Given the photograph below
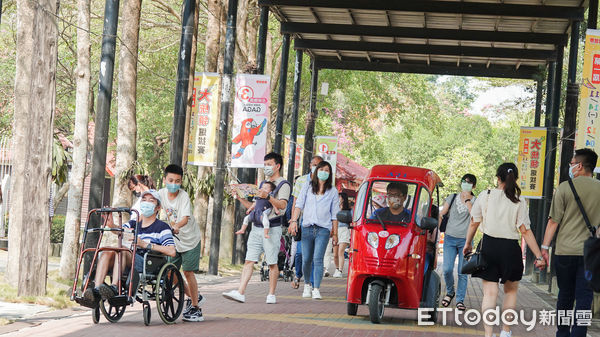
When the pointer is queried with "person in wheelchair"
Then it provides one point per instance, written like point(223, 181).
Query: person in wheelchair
point(153, 235)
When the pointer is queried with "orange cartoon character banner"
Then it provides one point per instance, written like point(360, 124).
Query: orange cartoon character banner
point(250, 120)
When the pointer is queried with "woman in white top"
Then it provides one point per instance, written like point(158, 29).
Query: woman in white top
point(139, 184)
point(504, 218)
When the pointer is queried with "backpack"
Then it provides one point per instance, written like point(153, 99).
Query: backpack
point(282, 218)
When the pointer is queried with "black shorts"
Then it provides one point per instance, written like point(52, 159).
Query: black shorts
point(504, 260)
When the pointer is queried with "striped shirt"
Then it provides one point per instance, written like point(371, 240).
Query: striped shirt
point(158, 233)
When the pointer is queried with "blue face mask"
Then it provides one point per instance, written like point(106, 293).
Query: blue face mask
point(172, 188)
point(322, 175)
point(147, 208)
point(571, 174)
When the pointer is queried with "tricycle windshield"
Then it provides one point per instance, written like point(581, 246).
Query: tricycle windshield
point(390, 202)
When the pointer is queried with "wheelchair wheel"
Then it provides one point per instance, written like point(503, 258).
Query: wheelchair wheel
point(113, 313)
point(146, 313)
point(169, 292)
point(96, 315)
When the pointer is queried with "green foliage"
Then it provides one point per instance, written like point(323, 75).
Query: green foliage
point(57, 230)
point(60, 162)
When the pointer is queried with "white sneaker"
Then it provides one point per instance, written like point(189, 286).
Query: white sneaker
point(235, 295)
point(316, 294)
point(337, 274)
point(505, 334)
point(306, 292)
point(271, 299)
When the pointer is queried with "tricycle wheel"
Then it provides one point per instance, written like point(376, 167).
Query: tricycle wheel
point(436, 305)
point(96, 315)
point(146, 313)
point(351, 308)
point(376, 303)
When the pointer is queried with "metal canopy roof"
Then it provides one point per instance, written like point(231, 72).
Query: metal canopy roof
point(495, 38)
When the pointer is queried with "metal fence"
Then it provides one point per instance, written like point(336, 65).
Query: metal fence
point(5, 173)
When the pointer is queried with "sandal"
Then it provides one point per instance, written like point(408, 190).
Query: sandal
point(296, 283)
point(447, 300)
point(461, 306)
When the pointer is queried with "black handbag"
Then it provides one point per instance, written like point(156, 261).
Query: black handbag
point(446, 216)
point(474, 262)
point(591, 248)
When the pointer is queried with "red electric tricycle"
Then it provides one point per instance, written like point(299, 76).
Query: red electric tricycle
point(392, 263)
point(159, 281)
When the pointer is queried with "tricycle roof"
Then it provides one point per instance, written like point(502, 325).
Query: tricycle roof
point(405, 173)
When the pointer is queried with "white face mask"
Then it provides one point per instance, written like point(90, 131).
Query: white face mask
point(313, 169)
point(269, 171)
point(467, 187)
point(394, 202)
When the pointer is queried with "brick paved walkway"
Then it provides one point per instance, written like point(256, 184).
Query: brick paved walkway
point(291, 316)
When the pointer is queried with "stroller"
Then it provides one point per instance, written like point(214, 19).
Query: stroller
point(284, 261)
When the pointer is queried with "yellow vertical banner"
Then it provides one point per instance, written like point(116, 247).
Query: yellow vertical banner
point(532, 156)
point(588, 129)
point(204, 119)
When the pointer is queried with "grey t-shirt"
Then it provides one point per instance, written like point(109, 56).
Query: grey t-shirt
point(458, 217)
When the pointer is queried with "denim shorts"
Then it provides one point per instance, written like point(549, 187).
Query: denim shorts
point(257, 244)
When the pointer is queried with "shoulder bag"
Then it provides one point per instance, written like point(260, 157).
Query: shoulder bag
point(591, 248)
point(475, 262)
point(446, 216)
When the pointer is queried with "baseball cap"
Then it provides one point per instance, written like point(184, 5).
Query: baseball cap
point(153, 193)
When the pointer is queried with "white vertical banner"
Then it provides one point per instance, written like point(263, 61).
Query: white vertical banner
point(250, 119)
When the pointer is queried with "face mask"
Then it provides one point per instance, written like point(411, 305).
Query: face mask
point(172, 188)
point(269, 171)
point(147, 208)
point(571, 173)
point(313, 169)
point(394, 202)
point(137, 194)
point(322, 175)
point(467, 187)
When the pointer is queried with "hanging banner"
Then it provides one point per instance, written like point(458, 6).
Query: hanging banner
point(589, 97)
point(204, 119)
point(299, 154)
point(326, 147)
point(532, 156)
point(250, 118)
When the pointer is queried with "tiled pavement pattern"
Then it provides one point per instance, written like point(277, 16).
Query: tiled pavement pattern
point(291, 316)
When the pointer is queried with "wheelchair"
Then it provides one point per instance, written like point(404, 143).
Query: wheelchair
point(159, 281)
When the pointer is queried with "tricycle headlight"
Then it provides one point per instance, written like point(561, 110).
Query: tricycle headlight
point(373, 239)
point(392, 241)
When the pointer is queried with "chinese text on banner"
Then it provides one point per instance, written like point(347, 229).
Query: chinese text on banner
point(204, 119)
point(587, 130)
point(532, 154)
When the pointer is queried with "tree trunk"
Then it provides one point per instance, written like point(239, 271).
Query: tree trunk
point(35, 99)
point(70, 247)
point(213, 35)
point(192, 76)
point(226, 246)
point(126, 116)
